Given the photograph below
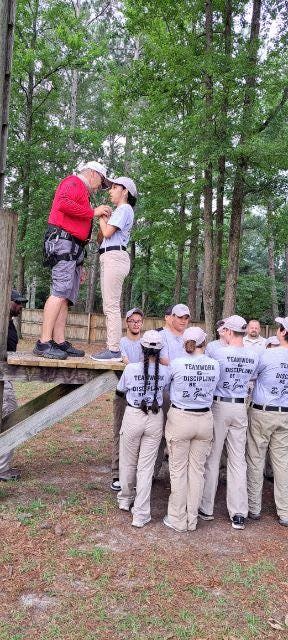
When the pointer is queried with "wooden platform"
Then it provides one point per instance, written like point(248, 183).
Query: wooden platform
point(27, 366)
point(79, 381)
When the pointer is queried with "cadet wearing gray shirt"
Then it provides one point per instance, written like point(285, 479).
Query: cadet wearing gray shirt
point(131, 349)
point(122, 218)
point(271, 386)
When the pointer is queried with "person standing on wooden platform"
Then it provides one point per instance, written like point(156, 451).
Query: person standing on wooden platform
point(131, 351)
point(69, 230)
point(7, 472)
point(115, 261)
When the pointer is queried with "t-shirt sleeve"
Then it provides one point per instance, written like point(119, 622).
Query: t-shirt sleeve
point(164, 352)
point(119, 217)
point(123, 348)
point(122, 384)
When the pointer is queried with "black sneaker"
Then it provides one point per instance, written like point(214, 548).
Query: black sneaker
point(205, 516)
point(69, 349)
point(12, 474)
point(115, 485)
point(238, 521)
point(49, 350)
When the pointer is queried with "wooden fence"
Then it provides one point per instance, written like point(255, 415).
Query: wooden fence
point(90, 327)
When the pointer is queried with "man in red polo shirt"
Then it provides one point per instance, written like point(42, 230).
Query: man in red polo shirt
point(69, 229)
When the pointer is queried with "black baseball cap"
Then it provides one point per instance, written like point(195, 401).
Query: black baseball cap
point(17, 297)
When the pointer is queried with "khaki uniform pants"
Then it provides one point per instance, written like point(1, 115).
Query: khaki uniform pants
point(189, 437)
point(9, 405)
point(114, 267)
point(268, 431)
point(119, 406)
point(140, 437)
point(230, 426)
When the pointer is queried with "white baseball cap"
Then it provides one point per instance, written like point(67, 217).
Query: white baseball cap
point(235, 323)
point(196, 334)
point(134, 310)
point(273, 340)
point(152, 339)
point(100, 168)
point(180, 310)
point(128, 183)
point(283, 321)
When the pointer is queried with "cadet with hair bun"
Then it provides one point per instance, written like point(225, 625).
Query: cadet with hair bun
point(142, 427)
point(189, 429)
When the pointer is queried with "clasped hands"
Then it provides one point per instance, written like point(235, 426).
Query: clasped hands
point(102, 210)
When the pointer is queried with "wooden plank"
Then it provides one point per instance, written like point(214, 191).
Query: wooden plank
point(36, 404)
point(31, 360)
point(56, 411)
point(48, 374)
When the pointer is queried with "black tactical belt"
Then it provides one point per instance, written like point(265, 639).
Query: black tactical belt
point(104, 249)
point(204, 410)
point(237, 400)
point(265, 407)
point(148, 408)
point(65, 235)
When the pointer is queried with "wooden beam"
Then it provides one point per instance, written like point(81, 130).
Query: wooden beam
point(56, 411)
point(48, 374)
point(42, 401)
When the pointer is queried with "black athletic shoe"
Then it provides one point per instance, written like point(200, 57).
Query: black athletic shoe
point(238, 521)
point(49, 350)
point(115, 485)
point(69, 349)
point(205, 516)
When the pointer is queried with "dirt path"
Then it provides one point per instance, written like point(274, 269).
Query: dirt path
point(72, 566)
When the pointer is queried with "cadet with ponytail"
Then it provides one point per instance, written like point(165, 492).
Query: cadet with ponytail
point(142, 426)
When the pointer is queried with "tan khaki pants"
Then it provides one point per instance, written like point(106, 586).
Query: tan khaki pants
point(268, 431)
point(140, 437)
point(189, 437)
point(119, 406)
point(9, 405)
point(230, 425)
point(114, 267)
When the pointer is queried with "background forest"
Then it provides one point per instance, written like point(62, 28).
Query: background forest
point(190, 99)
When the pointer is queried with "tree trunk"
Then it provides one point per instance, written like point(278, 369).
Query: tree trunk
point(238, 194)
point(218, 243)
point(199, 294)
point(194, 252)
point(271, 271)
point(208, 299)
point(181, 249)
point(286, 281)
point(7, 23)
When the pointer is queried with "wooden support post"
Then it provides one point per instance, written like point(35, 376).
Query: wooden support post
point(56, 411)
point(7, 22)
point(8, 233)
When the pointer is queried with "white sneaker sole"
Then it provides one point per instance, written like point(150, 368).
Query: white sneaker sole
point(238, 526)
point(170, 526)
point(106, 359)
point(139, 525)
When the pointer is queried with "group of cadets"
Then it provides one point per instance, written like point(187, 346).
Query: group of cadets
point(232, 392)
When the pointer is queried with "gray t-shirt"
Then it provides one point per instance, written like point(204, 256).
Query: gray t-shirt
point(122, 218)
point(173, 345)
point(132, 383)
point(131, 349)
point(212, 347)
point(237, 366)
point(193, 381)
point(271, 386)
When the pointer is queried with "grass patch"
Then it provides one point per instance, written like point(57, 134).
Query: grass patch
point(97, 554)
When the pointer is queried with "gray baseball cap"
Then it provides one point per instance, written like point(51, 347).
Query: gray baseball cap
point(283, 321)
point(17, 297)
point(273, 340)
point(128, 183)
